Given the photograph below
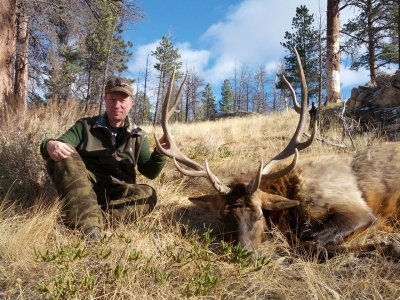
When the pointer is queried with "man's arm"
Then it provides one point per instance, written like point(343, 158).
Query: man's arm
point(150, 163)
point(57, 149)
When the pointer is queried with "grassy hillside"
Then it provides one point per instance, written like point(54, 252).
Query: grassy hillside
point(175, 252)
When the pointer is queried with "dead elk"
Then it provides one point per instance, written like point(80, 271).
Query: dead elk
point(317, 205)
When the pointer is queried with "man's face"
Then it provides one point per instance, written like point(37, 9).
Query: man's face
point(118, 105)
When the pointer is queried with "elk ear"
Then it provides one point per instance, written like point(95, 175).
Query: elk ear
point(275, 202)
point(208, 202)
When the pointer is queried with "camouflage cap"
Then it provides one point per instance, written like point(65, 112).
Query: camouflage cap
point(118, 84)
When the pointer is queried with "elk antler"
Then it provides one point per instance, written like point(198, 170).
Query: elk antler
point(296, 104)
point(174, 152)
point(294, 145)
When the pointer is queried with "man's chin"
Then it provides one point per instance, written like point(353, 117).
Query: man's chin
point(115, 119)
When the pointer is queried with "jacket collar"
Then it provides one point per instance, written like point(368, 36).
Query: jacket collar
point(102, 122)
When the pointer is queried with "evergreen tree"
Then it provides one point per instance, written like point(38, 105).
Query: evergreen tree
point(374, 28)
point(60, 35)
point(260, 94)
point(208, 101)
point(304, 40)
point(192, 95)
point(141, 110)
point(168, 59)
point(391, 48)
point(86, 62)
point(106, 54)
point(226, 102)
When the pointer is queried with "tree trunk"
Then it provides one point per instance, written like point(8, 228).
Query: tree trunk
point(88, 100)
point(105, 73)
point(188, 91)
point(398, 29)
point(333, 93)
point(146, 74)
point(159, 95)
point(7, 49)
point(21, 61)
point(371, 44)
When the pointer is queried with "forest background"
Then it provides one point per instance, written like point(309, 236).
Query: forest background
point(66, 50)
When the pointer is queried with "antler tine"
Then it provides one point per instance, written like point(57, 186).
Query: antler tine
point(296, 104)
point(166, 114)
point(295, 140)
point(255, 183)
point(174, 152)
point(216, 183)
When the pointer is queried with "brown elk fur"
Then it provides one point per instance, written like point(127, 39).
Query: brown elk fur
point(318, 205)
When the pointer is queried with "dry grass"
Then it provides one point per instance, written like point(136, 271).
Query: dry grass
point(161, 256)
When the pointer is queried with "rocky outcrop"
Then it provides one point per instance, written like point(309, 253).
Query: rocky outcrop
point(380, 102)
point(386, 93)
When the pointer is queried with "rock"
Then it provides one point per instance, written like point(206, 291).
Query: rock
point(354, 93)
point(353, 104)
point(393, 127)
point(387, 97)
point(395, 80)
point(383, 80)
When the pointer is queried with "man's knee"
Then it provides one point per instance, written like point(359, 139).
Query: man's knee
point(72, 166)
point(151, 196)
point(140, 201)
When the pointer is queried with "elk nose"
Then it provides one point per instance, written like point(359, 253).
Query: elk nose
point(248, 244)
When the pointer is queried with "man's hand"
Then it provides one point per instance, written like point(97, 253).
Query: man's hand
point(58, 150)
point(164, 143)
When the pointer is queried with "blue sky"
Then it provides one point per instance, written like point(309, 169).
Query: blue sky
point(214, 35)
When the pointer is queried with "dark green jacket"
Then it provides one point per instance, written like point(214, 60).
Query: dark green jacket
point(108, 158)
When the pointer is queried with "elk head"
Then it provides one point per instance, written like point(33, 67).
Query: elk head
point(240, 206)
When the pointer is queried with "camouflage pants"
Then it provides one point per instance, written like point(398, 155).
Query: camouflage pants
point(87, 198)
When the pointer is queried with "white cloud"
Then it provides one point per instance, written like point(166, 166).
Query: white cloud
point(250, 33)
point(197, 59)
point(140, 58)
point(352, 78)
point(193, 59)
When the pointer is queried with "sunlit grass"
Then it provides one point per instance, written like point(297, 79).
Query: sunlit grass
point(175, 252)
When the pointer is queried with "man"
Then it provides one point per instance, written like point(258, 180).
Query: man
point(314, 116)
point(93, 165)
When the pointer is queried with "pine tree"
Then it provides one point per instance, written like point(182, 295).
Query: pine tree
point(208, 101)
point(84, 60)
point(373, 28)
point(106, 54)
point(226, 102)
point(168, 59)
point(191, 95)
point(61, 33)
point(304, 40)
point(260, 94)
point(141, 110)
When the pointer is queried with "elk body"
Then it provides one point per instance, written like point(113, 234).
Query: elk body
point(317, 203)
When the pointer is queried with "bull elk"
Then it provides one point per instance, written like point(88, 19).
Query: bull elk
point(317, 205)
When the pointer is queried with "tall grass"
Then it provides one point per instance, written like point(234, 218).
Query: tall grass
point(175, 252)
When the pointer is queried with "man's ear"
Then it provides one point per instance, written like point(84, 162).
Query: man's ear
point(275, 202)
point(208, 202)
